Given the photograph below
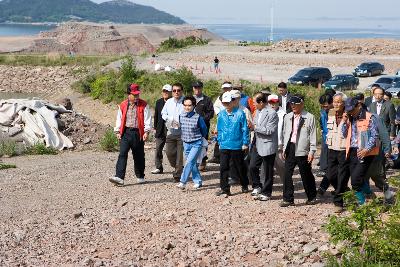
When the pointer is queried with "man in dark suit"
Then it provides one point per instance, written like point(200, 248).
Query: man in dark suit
point(385, 110)
point(284, 97)
point(161, 130)
point(371, 99)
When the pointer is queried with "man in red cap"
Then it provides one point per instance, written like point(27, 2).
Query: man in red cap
point(132, 127)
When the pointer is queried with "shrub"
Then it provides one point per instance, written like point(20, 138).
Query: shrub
point(7, 166)
point(41, 149)
point(172, 43)
point(8, 148)
point(109, 142)
point(370, 234)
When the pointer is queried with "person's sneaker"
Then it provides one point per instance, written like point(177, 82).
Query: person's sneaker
point(181, 186)
point(262, 197)
point(311, 202)
point(256, 191)
point(245, 189)
point(140, 180)
point(197, 186)
point(222, 193)
point(157, 171)
point(285, 203)
point(388, 194)
point(116, 180)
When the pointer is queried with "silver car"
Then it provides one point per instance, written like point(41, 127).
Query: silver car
point(395, 89)
point(386, 82)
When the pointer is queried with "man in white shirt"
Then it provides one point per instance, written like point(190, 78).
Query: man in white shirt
point(284, 97)
point(173, 144)
point(273, 102)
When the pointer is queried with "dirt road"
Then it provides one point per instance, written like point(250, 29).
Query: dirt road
point(61, 210)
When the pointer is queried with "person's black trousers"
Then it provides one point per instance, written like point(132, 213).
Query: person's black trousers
point(160, 143)
point(267, 163)
point(131, 140)
point(323, 166)
point(338, 173)
point(306, 174)
point(358, 169)
point(231, 162)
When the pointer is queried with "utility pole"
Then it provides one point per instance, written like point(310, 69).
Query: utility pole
point(271, 34)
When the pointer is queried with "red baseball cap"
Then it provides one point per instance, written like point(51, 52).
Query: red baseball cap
point(135, 89)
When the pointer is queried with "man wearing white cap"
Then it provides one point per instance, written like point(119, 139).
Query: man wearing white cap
point(273, 102)
point(233, 139)
point(218, 106)
point(161, 130)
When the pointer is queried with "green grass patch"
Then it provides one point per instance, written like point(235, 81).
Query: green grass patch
point(109, 142)
point(41, 149)
point(50, 60)
point(4, 166)
point(8, 148)
point(172, 44)
point(369, 234)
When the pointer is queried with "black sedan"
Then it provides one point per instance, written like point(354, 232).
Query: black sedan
point(369, 69)
point(342, 82)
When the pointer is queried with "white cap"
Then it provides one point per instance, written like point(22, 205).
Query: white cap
point(226, 97)
point(235, 94)
point(226, 85)
point(167, 87)
point(273, 98)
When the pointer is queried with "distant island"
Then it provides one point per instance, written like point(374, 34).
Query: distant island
point(116, 11)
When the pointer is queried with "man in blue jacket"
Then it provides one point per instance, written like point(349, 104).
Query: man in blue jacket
point(233, 139)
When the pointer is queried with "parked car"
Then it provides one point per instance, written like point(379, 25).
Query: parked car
point(311, 76)
point(395, 89)
point(242, 43)
point(342, 82)
point(386, 81)
point(369, 69)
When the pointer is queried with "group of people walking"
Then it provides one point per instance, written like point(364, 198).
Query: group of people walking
point(259, 136)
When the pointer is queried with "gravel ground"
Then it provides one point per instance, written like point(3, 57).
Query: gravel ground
point(62, 210)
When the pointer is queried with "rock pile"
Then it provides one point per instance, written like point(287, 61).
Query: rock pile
point(82, 131)
point(333, 46)
point(36, 80)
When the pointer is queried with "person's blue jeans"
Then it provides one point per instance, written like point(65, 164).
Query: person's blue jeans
point(192, 151)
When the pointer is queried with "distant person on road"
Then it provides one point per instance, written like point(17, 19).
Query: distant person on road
point(284, 97)
point(170, 113)
point(216, 64)
point(204, 107)
point(132, 127)
point(194, 130)
point(161, 130)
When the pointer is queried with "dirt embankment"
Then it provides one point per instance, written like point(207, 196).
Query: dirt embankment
point(332, 46)
point(102, 39)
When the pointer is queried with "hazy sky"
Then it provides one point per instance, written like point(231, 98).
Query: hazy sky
point(287, 13)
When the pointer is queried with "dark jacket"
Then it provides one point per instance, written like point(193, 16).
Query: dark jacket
point(288, 108)
point(387, 114)
point(159, 123)
point(205, 109)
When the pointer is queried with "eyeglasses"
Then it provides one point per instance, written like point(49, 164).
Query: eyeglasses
point(177, 91)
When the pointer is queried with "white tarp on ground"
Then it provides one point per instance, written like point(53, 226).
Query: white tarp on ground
point(36, 119)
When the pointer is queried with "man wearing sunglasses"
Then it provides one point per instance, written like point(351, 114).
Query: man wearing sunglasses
point(299, 147)
point(173, 144)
